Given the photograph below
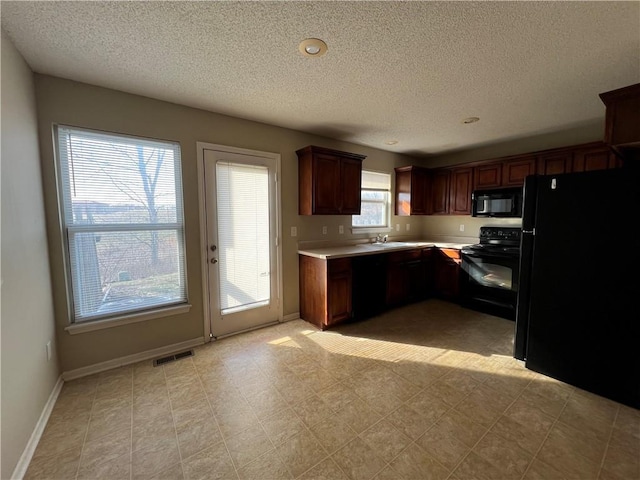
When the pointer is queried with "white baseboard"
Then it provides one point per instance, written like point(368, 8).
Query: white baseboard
point(129, 359)
point(291, 316)
point(29, 450)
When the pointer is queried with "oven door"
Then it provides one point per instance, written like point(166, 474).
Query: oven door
point(490, 282)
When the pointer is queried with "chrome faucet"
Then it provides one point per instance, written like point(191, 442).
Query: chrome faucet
point(381, 238)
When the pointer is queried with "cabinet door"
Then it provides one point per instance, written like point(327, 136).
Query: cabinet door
point(405, 277)
point(396, 283)
point(487, 176)
point(439, 195)
point(327, 195)
point(415, 280)
point(411, 191)
point(428, 268)
point(418, 192)
point(515, 171)
point(555, 163)
point(597, 158)
point(447, 279)
point(338, 291)
point(403, 192)
point(351, 186)
point(622, 120)
point(461, 188)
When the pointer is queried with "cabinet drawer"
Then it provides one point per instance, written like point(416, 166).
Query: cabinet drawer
point(451, 254)
point(405, 256)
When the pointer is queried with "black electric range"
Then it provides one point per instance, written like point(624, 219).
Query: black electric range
point(490, 271)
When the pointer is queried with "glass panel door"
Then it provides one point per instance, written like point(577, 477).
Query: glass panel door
point(241, 234)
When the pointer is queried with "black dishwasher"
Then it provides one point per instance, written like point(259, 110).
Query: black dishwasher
point(369, 274)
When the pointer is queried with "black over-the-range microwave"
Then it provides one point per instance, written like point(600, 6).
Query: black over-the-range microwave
point(503, 202)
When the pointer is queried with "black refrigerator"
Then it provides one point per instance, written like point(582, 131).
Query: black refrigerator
point(578, 308)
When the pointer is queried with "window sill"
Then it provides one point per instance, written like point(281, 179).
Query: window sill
point(370, 229)
point(77, 328)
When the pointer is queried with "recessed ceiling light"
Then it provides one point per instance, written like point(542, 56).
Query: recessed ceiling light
point(391, 142)
point(471, 120)
point(312, 47)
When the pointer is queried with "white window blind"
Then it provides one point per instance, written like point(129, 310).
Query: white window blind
point(122, 212)
point(243, 235)
point(375, 195)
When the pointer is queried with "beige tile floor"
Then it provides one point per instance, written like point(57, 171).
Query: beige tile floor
point(428, 391)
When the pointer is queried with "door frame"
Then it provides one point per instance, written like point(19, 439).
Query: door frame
point(202, 211)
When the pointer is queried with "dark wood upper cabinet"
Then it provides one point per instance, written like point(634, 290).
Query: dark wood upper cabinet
point(329, 181)
point(411, 190)
point(461, 187)
point(579, 158)
point(598, 156)
point(438, 195)
point(447, 190)
point(555, 163)
point(351, 182)
point(516, 169)
point(487, 176)
point(622, 120)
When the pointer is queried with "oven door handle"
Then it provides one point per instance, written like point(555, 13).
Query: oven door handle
point(472, 254)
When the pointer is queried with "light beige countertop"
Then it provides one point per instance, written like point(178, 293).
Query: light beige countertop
point(373, 248)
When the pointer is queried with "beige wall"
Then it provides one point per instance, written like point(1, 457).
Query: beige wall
point(443, 227)
point(67, 102)
point(28, 378)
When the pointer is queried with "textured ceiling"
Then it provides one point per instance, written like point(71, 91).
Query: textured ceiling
point(405, 71)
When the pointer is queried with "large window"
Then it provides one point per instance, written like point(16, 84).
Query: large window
point(375, 195)
point(121, 201)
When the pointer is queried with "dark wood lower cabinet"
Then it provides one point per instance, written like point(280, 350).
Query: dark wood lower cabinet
point(325, 290)
point(405, 277)
point(339, 290)
point(447, 273)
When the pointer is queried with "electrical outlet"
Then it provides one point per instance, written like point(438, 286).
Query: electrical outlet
point(408, 227)
point(48, 350)
point(324, 230)
point(294, 231)
point(341, 229)
point(397, 227)
point(461, 227)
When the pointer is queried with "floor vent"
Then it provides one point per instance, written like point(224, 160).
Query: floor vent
point(172, 358)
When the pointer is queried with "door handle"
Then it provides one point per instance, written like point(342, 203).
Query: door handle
point(214, 260)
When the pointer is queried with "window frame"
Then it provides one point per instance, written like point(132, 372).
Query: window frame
point(68, 229)
point(387, 206)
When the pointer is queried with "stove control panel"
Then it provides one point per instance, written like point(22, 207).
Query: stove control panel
point(500, 235)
